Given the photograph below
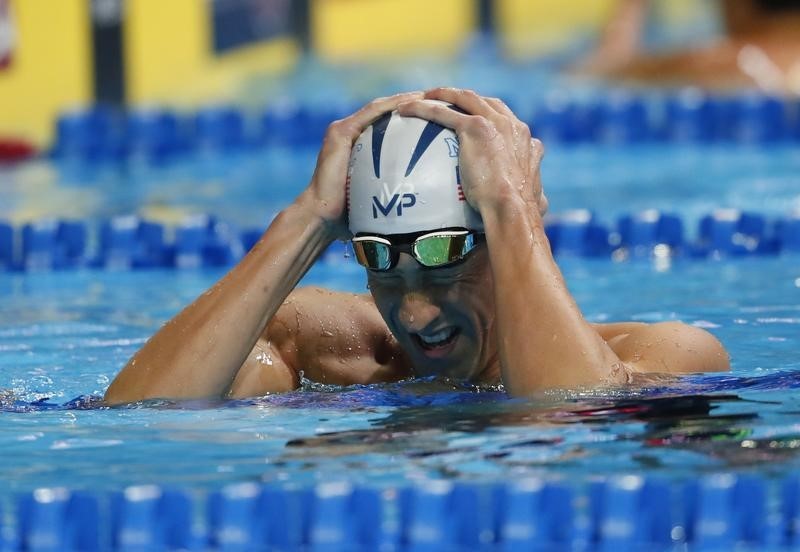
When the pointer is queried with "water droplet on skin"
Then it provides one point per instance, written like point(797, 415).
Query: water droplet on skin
point(264, 358)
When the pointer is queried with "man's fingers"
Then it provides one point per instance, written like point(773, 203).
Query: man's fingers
point(378, 107)
point(537, 148)
point(467, 100)
point(544, 204)
point(474, 104)
point(362, 118)
point(345, 131)
point(537, 154)
point(500, 106)
point(437, 113)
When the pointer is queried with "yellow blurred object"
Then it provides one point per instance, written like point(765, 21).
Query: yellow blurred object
point(165, 44)
point(345, 30)
point(533, 27)
point(682, 12)
point(169, 58)
point(51, 68)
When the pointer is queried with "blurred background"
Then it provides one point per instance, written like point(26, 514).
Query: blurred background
point(71, 54)
point(161, 134)
point(165, 110)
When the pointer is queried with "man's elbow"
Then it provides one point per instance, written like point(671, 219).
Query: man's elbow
point(708, 351)
point(116, 395)
point(673, 347)
point(124, 389)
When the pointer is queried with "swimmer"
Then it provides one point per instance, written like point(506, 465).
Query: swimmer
point(463, 285)
point(760, 48)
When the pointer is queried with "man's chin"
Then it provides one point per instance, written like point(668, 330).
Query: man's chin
point(454, 365)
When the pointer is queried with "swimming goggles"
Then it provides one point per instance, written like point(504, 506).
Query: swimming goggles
point(430, 249)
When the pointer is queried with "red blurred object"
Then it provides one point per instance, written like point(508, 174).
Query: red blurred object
point(12, 150)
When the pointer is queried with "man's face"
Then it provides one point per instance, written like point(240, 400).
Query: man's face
point(443, 317)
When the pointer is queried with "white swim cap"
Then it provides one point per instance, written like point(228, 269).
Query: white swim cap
point(404, 177)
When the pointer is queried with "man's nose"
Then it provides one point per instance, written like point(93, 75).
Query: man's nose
point(417, 311)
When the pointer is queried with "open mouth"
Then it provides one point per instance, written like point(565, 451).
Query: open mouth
point(438, 341)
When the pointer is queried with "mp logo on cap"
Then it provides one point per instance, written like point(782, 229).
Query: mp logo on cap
point(396, 201)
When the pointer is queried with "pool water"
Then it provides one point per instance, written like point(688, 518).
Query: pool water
point(249, 187)
point(63, 337)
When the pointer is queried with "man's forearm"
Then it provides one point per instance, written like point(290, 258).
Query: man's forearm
point(198, 353)
point(544, 340)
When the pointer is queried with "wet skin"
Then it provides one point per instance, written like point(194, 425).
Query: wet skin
point(504, 314)
point(442, 318)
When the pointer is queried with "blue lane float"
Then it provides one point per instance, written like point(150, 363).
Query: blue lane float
point(626, 512)
point(6, 246)
point(692, 117)
point(157, 135)
point(685, 116)
point(149, 518)
point(732, 232)
point(203, 241)
point(220, 128)
point(128, 242)
point(640, 233)
point(577, 233)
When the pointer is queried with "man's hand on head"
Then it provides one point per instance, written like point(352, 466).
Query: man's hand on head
point(325, 196)
point(498, 157)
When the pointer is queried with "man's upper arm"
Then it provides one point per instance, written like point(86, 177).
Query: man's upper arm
point(269, 368)
point(263, 372)
point(670, 347)
point(330, 337)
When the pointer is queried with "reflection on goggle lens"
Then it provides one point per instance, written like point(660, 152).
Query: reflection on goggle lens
point(373, 254)
point(431, 250)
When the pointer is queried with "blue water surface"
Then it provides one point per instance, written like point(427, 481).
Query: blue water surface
point(250, 187)
point(63, 336)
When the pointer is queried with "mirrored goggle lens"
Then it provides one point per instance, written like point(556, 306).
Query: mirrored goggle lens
point(438, 250)
point(373, 254)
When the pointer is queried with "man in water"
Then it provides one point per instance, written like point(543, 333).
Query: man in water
point(444, 204)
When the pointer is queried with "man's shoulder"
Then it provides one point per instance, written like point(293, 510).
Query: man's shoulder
point(315, 306)
point(311, 296)
point(337, 337)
